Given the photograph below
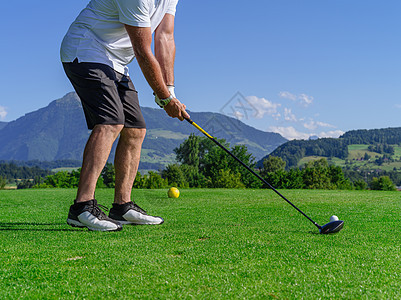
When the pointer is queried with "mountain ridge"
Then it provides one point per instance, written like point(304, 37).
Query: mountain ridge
point(58, 131)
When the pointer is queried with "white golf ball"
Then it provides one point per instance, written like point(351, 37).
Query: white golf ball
point(333, 218)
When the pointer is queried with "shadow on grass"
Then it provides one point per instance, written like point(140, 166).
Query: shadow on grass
point(33, 226)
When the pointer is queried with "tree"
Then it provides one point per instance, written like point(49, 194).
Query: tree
point(202, 161)
point(109, 175)
point(316, 175)
point(140, 181)
point(360, 185)
point(272, 164)
point(247, 178)
point(338, 179)
point(63, 179)
point(3, 182)
point(192, 175)
point(227, 179)
point(175, 176)
point(155, 181)
point(188, 152)
point(217, 159)
point(294, 179)
point(151, 181)
point(12, 171)
point(25, 184)
point(383, 183)
point(277, 179)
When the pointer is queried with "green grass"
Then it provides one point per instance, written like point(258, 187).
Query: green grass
point(151, 156)
point(397, 151)
point(215, 244)
point(156, 133)
point(303, 161)
point(358, 147)
point(334, 160)
point(9, 186)
point(358, 154)
point(337, 161)
point(390, 166)
point(63, 169)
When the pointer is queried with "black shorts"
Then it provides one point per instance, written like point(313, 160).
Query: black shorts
point(108, 97)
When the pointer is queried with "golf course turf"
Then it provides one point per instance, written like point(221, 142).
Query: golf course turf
point(214, 244)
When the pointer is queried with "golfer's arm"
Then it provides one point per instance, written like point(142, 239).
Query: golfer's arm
point(141, 39)
point(165, 48)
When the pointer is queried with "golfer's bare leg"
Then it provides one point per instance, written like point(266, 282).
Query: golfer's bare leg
point(128, 154)
point(96, 153)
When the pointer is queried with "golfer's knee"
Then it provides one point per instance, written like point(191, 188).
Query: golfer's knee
point(108, 130)
point(134, 134)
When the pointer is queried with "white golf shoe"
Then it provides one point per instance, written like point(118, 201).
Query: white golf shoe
point(88, 214)
point(130, 213)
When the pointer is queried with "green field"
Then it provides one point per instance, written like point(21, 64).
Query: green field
point(215, 244)
point(303, 161)
point(355, 157)
point(65, 169)
point(152, 156)
point(156, 133)
point(356, 152)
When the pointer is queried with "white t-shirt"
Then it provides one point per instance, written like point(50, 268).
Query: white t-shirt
point(98, 34)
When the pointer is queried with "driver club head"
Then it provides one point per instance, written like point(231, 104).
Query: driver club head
point(332, 227)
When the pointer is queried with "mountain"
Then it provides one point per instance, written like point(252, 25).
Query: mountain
point(52, 132)
point(367, 148)
point(59, 132)
point(2, 125)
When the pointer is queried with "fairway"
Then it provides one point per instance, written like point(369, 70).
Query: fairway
point(214, 244)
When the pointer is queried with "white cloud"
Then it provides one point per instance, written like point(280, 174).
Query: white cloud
point(263, 107)
point(285, 122)
point(305, 99)
point(290, 133)
point(331, 134)
point(3, 112)
point(276, 116)
point(287, 95)
point(322, 124)
point(289, 116)
point(398, 106)
point(312, 125)
point(238, 115)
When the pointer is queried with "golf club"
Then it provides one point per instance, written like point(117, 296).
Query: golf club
point(331, 227)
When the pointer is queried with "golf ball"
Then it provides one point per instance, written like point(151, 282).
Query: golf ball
point(173, 192)
point(333, 218)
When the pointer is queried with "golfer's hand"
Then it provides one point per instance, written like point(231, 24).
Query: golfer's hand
point(176, 109)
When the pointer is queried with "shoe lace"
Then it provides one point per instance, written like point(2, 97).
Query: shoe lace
point(137, 208)
point(97, 209)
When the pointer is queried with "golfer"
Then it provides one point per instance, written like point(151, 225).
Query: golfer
point(95, 52)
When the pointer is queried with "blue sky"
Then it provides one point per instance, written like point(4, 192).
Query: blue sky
point(299, 68)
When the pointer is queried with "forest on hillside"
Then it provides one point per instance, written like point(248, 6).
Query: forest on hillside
point(202, 164)
point(389, 136)
point(380, 141)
